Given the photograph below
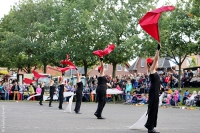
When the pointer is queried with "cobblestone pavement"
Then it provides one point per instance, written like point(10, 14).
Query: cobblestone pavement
point(30, 117)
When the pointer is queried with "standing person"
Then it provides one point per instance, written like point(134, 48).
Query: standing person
point(15, 89)
point(152, 111)
point(51, 91)
point(41, 93)
point(31, 91)
point(7, 89)
point(101, 91)
point(61, 91)
point(79, 92)
point(2, 91)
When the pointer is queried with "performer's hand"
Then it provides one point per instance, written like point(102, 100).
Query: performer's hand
point(101, 58)
point(159, 46)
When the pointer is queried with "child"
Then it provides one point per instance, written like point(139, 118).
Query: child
point(128, 98)
point(168, 99)
point(134, 99)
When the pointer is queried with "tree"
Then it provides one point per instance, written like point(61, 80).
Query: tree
point(178, 34)
point(37, 30)
point(77, 31)
point(118, 24)
point(48, 19)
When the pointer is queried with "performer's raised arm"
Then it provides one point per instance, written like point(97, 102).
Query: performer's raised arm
point(101, 67)
point(155, 62)
point(78, 76)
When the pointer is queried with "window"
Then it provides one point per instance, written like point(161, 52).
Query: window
point(142, 62)
point(125, 69)
point(106, 66)
point(119, 68)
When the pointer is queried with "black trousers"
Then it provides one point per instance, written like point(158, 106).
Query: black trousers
point(41, 99)
point(101, 98)
point(60, 102)
point(51, 98)
point(79, 96)
point(152, 118)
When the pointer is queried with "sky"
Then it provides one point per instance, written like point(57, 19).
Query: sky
point(5, 6)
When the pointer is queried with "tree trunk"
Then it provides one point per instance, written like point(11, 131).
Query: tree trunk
point(29, 68)
point(85, 67)
point(179, 75)
point(45, 67)
point(114, 70)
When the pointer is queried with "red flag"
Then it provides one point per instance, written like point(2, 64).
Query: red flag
point(66, 68)
point(67, 61)
point(28, 81)
point(149, 22)
point(104, 52)
point(37, 75)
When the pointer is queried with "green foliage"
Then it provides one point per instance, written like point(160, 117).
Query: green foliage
point(192, 62)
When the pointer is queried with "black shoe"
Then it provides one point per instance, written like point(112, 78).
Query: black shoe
point(101, 117)
point(146, 126)
point(50, 106)
point(153, 131)
point(41, 104)
point(96, 115)
point(78, 113)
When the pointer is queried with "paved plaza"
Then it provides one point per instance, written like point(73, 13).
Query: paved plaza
point(30, 117)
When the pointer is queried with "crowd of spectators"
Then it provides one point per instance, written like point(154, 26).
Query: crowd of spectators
point(134, 87)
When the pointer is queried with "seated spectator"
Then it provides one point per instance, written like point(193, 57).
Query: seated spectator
point(86, 92)
point(183, 81)
point(128, 98)
point(118, 87)
point(197, 99)
point(187, 98)
point(186, 93)
point(108, 97)
point(190, 100)
point(168, 89)
point(174, 82)
point(142, 99)
point(134, 98)
point(26, 94)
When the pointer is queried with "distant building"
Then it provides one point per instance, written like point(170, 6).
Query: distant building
point(140, 66)
point(120, 70)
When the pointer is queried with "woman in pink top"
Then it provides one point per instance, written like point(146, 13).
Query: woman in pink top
point(118, 87)
point(38, 90)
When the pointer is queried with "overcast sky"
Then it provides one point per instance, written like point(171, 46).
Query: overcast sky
point(6, 4)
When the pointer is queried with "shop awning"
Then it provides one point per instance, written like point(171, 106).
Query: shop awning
point(3, 71)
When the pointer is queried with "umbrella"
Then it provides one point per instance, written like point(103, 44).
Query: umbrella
point(37, 75)
point(28, 81)
point(149, 22)
point(106, 51)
